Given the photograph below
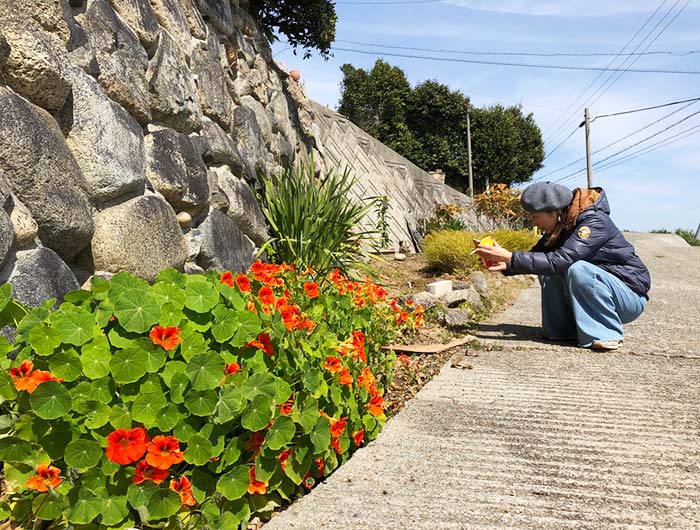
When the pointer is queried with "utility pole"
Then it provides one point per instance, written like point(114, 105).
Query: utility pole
point(469, 154)
point(588, 148)
point(697, 232)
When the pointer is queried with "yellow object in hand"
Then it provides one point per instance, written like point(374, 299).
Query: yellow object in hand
point(488, 240)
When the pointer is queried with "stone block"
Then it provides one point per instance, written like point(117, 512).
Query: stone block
point(249, 139)
point(456, 317)
point(44, 175)
point(23, 223)
point(205, 63)
point(224, 246)
point(172, 16)
point(469, 296)
point(7, 236)
point(425, 299)
point(219, 13)
point(243, 208)
point(138, 14)
point(198, 28)
point(478, 280)
point(439, 288)
point(141, 236)
point(221, 149)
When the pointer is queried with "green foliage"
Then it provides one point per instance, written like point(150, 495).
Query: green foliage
point(446, 217)
point(689, 237)
point(305, 23)
point(502, 205)
point(428, 125)
point(244, 385)
point(449, 250)
point(314, 221)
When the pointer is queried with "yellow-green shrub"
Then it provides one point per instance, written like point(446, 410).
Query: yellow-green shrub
point(449, 250)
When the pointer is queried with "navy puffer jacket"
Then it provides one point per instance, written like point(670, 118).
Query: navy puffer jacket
point(604, 246)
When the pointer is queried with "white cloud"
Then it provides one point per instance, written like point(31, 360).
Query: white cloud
point(570, 8)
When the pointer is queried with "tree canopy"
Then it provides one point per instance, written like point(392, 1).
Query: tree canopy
point(428, 125)
point(309, 24)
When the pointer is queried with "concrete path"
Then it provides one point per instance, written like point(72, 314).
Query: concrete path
point(543, 437)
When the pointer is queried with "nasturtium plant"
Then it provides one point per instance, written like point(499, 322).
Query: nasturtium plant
point(195, 402)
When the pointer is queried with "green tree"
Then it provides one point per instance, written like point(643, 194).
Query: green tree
point(309, 24)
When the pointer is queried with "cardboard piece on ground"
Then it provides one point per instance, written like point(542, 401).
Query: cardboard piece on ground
point(429, 348)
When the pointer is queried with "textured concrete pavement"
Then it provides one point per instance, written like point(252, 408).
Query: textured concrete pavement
point(542, 437)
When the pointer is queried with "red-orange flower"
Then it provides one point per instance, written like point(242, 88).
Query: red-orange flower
point(168, 337)
point(286, 407)
point(311, 289)
point(22, 375)
point(255, 442)
point(243, 282)
point(263, 343)
point(227, 278)
point(125, 447)
point(256, 486)
point(251, 307)
point(367, 378)
point(335, 444)
point(358, 345)
point(266, 295)
point(333, 364)
point(144, 471)
point(46, 477)
point(337, 427)
point(230, 369)
point(164, 451)
point(283, 456)
point(183, 488)
point(375, 405)
point(345, 377)
point(358, 436)
point(321, 466)
point(401, 317)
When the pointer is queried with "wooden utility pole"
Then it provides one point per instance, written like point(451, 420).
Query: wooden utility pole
point(469, 154)
point(588, 148)
point(697, 232)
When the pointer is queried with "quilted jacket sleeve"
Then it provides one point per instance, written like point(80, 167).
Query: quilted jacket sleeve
point(575, 248)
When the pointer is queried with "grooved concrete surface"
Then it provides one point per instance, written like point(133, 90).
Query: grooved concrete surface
point(541, 438)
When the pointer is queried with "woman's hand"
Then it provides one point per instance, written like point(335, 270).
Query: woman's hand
point(495, 258)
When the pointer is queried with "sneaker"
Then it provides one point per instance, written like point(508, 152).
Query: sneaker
point(606, 345)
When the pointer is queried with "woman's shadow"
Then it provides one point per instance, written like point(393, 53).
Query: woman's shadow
point(516, 332)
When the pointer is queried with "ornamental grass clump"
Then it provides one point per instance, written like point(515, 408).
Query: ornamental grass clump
point(196, 402)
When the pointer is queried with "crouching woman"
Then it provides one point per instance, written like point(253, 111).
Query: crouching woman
point(592, 280)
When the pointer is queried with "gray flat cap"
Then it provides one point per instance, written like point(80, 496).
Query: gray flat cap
point(545, 197)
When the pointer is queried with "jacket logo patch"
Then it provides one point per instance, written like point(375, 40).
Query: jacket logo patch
point(584, 232)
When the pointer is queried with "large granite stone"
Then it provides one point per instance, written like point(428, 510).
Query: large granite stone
point(140, 236)
point(138, 14)
point(44, 174)
point(172, 16)
point(261, 117)
point(78, 46)
point(37, 275)
point(461, 296)
point(106, 141)
point(278, 112)
point(211, 85)
point(219, 13)
point(37, 66)
point(24, 225)
point(243, 208)
point(198, 28)
point(220, 148)
point(172, 91)
point(7, 236)
point(176, 170)
point(248, 137)
point(46, 12)
point(223, 245)
point(121, 58)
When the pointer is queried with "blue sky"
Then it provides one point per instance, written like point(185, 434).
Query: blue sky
point(658, 190)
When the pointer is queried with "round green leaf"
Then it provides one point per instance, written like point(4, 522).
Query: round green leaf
point(170, 316)
point(192, 342)
point(98, 415)
point(171, 277)
point(48, 506)
point(201, 403)
point(74, 326)
point(230, 404)
point(263, 384)
point(308, 415)
point(5, 294)
point(205, 371)
point(95, 357)
point(14, 450)
point(7, 387)
point(129, 365)
point(114, 510)
point(120, 418)
point(200, 294)
point(44, 339)
point(83, 454)
point(163, 504)
point(225, 323)
point(66, 365)
point(178, 385)
point(137, 312)
point(281, 432)
point(166, 293)
point(282, 391)
point(155, 358)
point(171, 368)
point(234, 484)
point(124, 283)
point(103, 390)
point(138, 495)
point(258, 414)
point(321, 435)
point(169, 417)
point(199, 451)
point(249, 327)
point(50, 400)
point(146, 407)
point(84, 506)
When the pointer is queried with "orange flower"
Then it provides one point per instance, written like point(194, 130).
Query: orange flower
point(404, 359)
point(366, 378)
point(22, 375)
point(183, 488)
point(263, 343)
point(255, 442)
point(335, 444)
point(358, 436)
point(283, 456)
point(256, 486)
point(337, 427)
point(227, 278)
point(230, 369)
point(401, 317)
point(266, 295)
point(147, 472)
point(375, 405)
point(243, 282)
point(168, 338)
point(320, 465)
point(125, 447)
point(251, 307)
point(164, 451)
point(286, 407)
point(46, 477)
point(345, 377)
point(311, 289)
point(358, 345)
point(333, 364)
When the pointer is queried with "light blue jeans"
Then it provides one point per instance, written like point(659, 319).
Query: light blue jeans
point(588, 303)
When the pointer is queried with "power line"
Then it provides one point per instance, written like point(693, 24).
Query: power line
point(523, 65)
point(645, 108)
point(561, 143)
point(524, 54)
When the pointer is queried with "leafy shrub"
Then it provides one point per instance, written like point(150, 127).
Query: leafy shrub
point(689, 237)
point(447, 217)
point(449, 250)
point(502, 204)
point(196, 402)
point(313, 220)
